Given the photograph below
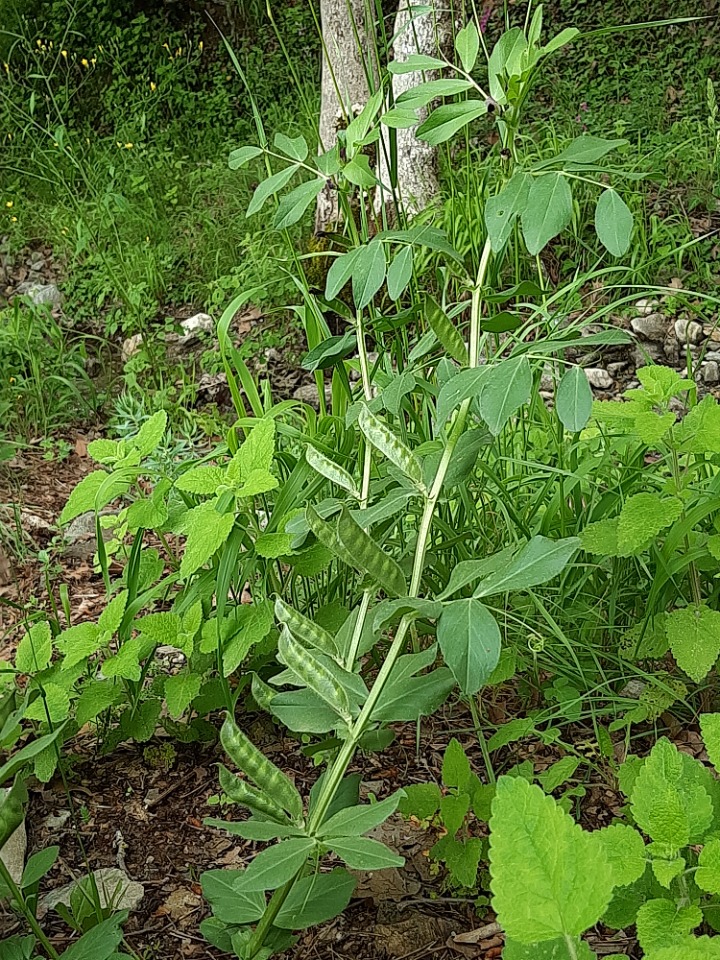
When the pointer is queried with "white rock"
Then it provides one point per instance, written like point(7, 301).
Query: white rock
point(115, 890)
point(654, 326)
point(598, 378)
point(615, 368)
point(131, 346)
point(646, 307)
point(200, 323)
point(40, 293)
point(710, 371)
point(688, 331)
point(14, 850)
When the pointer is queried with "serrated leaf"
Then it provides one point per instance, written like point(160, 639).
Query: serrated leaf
point(453, 810)
point(95, 698)
point(547, 212)
point(539, 560)
point(548, 950)
point(467, 45)
point(642, 518)
point(661, 922)
point(574, 400)
point(54, 701)
point(112, 616)
point(694, 637)
point(203, 480)
point(456, 766)
point(35, 649)
point(127, 661)
point(707, 876)
point(368, 273)
point(625, 852)
point(103, 450)
point(503, 209)
point(613, 222)
point(400, 272)
point(422, 800)
point(256, 451)
point(507, 386)
point(665, 871)
point(601, 538)
point(268, 187)
point(206, 531)
point(93, 493)
point(469, 638)
point(180, 691)
point(273, 545)
point(710, 729)
point(368, 557)
point(444, 330)
point(549, 877)
point(150, 434)
point(362, 853)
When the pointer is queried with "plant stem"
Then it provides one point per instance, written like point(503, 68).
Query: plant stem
point(17, 896)
point(344, 758)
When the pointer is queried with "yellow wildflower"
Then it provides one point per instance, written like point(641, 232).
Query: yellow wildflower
point(166, 47)
point(129, 146)
point(200, 46)
point(93, 61)
point(178, 52)
point(12, 379)
point(39, 42)
point(13, 219)
point(9, 204)
point(84, 62)
point(7, 67)
point(64, 53)
point(153, 86)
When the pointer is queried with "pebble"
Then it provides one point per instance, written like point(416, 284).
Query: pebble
point(646, 307)
point(710, 371)
point(40, 293)
point(688, 331)
point(654, 326)
point(598, 378)
point(308, 393)
point(115, 889)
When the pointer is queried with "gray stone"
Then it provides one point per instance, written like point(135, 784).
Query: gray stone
point(115, 889)
point(710, 371)
point(648, 353)
point(712, 330)
point(14, 849)
point(646, 307)
point(40, 293)
point(653, 327)
point(308, 393)
point(598, 378)
point(688, 331)
point(614, 369)
point(80, 540)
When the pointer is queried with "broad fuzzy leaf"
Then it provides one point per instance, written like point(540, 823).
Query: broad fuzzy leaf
point(625, 851)
point(150, 433)
point(707, 876)
point(35, 649)
point(694, 637)
point(93, 492)
point(662, 922)
point(206, 531)
point(642, 518)
point(180, 691)
point(549, 877)
point(710, 729)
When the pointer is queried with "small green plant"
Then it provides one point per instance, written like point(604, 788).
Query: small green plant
point(552, 881)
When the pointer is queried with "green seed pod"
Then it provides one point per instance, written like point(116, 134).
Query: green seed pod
point(255, 765)
point(331, 471)
point(304, 630)
point(243, 793)
point(313, 674)
point(384, 440)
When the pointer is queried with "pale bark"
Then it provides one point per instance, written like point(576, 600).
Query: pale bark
point(345, 88)
point(417, 162)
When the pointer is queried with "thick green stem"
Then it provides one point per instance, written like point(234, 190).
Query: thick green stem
point(16, 895)
point(346, 753)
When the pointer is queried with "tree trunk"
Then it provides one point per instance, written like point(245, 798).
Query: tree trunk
point(348, 59)
point(417, 162)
